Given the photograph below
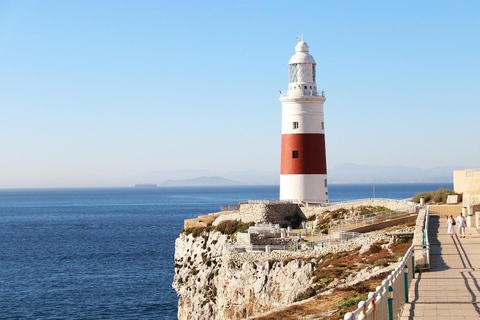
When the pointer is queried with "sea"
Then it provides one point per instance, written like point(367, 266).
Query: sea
point(107, 253)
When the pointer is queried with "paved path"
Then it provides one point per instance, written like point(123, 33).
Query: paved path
point(451, 289)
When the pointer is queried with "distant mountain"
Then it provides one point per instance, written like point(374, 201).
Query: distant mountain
point(358, 173)
point(247, 177)
point(201, 181)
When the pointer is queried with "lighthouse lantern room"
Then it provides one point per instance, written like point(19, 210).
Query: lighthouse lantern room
point(303, 160)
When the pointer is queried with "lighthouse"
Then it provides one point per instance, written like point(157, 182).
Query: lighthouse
point(303, 173)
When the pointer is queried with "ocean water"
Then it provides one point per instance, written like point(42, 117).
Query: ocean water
point(108, 253)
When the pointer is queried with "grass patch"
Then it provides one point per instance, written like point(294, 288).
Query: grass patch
point(230, 227)
point(349, 304)
point(310, 292)
point(196, 231)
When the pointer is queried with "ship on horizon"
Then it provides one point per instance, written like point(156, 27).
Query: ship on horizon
point(146, 185)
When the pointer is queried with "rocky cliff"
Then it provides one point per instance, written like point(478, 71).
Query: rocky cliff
point(214, 284)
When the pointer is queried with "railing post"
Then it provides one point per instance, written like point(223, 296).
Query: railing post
point(348, 316)
point(405, 283)
point(363, 305)
point(390, 302)
point(413, 264)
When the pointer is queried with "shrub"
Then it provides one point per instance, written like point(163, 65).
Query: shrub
point(196, 231)
point(230, 227)
point(436, 196)
point(310, 292)
point(352, 301)
point(374, 248)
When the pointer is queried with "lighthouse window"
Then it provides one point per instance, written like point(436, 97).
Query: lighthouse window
point(295, 154)
point(292, 70)
point(313, 72)
point(295, 125)
point(323, 125)
point(325, 183)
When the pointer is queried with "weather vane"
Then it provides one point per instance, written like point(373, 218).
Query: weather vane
point(301, 37)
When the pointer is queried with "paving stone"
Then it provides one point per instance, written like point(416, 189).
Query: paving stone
point(451, 288)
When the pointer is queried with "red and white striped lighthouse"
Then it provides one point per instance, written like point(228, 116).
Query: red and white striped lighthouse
point(303, 164)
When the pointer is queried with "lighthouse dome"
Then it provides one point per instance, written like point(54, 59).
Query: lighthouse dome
point(301, 54)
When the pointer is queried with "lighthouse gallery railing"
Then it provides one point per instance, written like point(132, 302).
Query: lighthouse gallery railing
point(300, 92)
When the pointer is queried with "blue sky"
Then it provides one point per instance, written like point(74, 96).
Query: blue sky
point(112, 93)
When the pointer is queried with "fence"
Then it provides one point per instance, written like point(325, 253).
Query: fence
point(302, 92)
point(257, 248)
point(324, 241)
point(368, 220)
point(388, 299)
point(266, 229)
point(269, 201)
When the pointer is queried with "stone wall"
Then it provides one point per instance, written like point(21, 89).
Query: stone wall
point(420, 259)
point(274, 213)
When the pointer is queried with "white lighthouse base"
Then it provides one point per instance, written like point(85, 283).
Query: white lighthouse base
point(304, 187)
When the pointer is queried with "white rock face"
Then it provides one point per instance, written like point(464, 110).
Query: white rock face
point(211, 284)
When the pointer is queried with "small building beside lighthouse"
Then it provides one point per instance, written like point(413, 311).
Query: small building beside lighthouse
point(303, 173)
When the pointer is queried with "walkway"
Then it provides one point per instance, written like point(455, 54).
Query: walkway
point(451, 289)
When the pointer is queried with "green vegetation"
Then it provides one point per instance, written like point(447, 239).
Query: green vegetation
point(310, 292)
point(196, 231)
point(323, 224)
point(369, 211)
point(348, 302)
point(230, 227)
point(340, 265)
point(433, 196)
point(375, 248)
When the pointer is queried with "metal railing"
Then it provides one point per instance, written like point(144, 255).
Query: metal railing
point(407, 201)
point(324, 241)
point(269, 201)
point(322, 203)
point(367, 220)
point(266, 229)
point(258, 247)
point(302, 92)
point(388, 299)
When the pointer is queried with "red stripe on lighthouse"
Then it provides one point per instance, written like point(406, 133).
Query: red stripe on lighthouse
point(311, 154)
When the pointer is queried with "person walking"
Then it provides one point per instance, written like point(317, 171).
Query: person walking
point(450, 225)
point(462, 223)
